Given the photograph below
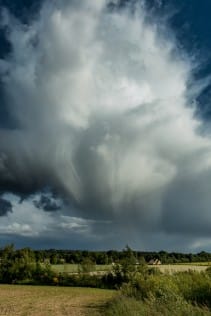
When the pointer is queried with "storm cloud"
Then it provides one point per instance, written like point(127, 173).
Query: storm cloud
point(5, 207)
point(47, 203)
point(103, 105)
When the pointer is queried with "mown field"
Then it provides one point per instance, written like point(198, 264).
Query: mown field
point(172, 268)
point(169, 268)
point(74, 268)
point(18, 300)
point(204, 263)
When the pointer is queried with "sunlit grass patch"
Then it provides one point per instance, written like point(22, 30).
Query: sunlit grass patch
point(48, 300)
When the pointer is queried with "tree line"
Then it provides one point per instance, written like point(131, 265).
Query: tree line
point(23, 266)
point(27, 266)
point(59, 256)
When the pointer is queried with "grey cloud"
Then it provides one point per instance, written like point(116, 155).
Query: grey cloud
point(186, 207)
point(47, 203)
point(105, 120)
point(5, 207)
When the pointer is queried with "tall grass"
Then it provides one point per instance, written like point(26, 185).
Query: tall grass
point(157, 294)
point(126, 306)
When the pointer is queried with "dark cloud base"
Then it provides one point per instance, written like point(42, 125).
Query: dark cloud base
point(5, 207)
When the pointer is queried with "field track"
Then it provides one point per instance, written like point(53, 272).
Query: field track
point(56, 301)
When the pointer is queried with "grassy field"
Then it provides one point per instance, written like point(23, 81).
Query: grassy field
point(170, 268)
point(43, 301)
point(207, 263)
point(74, 268)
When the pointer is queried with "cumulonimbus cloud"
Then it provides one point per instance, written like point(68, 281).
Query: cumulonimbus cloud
point(103, 102)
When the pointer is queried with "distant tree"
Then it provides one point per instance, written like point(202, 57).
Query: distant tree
point(128, 256)
point(21, 265)
point(87, 266)
point(16, 265)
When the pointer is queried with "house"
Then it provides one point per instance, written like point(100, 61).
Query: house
point(155, 262)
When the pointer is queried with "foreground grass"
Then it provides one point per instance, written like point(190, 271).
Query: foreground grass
point(125, 306)
point(18, 300)
point(157, 294)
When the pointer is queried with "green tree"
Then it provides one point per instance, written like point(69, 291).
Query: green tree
point(86, 266)
point(128, 262)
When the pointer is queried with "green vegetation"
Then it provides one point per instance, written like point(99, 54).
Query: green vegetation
point(150, 292)
point(75, 268)
point(141, 289)
point(126, 306)
point(21, 267)
point(58, 256)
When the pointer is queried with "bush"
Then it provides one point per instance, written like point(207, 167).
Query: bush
point(185, 293)
point(87, 266)
point(124, 306)
point(195, 287)
point(43, 275)
point(144, 287)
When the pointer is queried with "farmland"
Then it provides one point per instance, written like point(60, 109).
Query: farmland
point(166, 268)
point(18, 300)
point(172, 268)
point(74, 268)
point(76, 288)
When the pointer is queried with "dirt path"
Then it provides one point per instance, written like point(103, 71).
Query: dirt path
point(55, 301)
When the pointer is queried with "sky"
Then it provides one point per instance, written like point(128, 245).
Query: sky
point(105, 135)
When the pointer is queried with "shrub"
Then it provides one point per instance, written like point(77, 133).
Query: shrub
point(185, 293)
point(86, 266)
point(124, 306)
point(195, 287)
point(144, 287)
